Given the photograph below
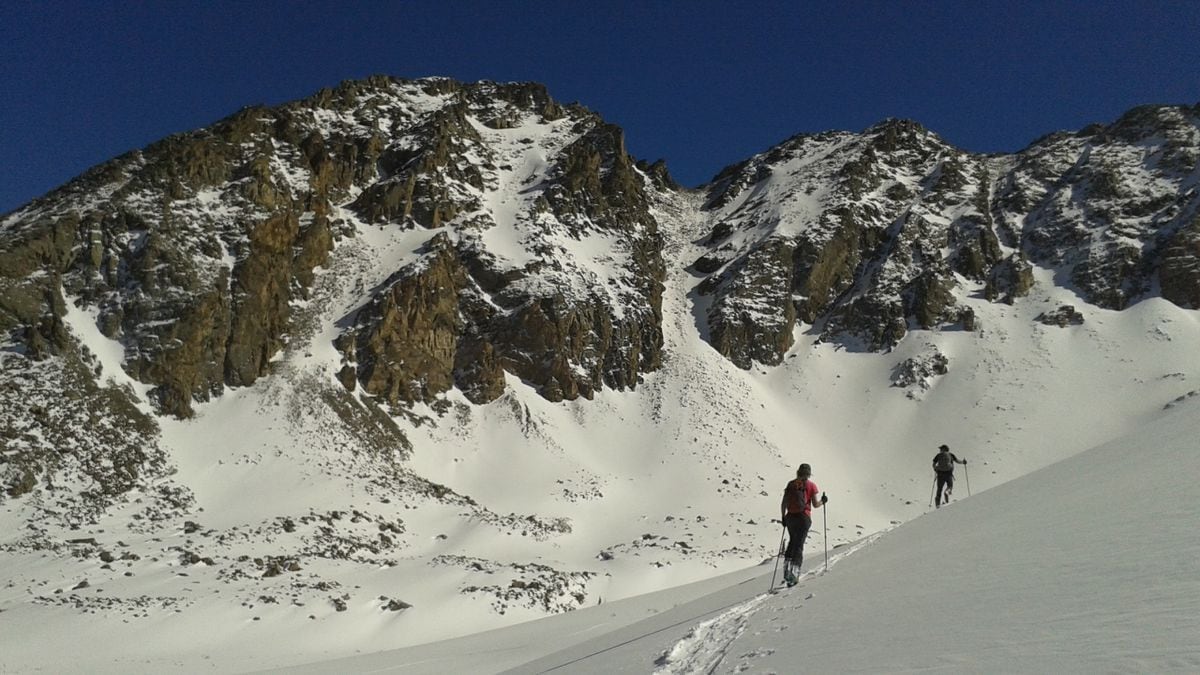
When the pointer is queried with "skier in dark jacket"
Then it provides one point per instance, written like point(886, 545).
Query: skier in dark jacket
point(799, 499)
point(943, 468)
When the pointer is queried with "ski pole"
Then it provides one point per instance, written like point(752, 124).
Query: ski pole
point(967, 475)
point(777, 557)
point(825, 519)
point(932, 489)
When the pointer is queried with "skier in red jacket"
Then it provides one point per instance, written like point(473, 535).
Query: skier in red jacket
point(799, 499)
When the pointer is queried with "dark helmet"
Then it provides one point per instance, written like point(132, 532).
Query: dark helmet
point(804, 470)
point(943, 446)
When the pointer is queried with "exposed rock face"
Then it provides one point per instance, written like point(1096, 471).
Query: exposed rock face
point(869, 235)
point(1109, 205)
point(1009, 279)
point(756, 314)
point(849, 229)
point(189, 251)
point(194, 251)
point(409, 333)
point(464, 315)
point(1179, 273)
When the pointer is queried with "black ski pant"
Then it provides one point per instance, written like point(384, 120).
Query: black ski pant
point(797, 527)
point(945, 479)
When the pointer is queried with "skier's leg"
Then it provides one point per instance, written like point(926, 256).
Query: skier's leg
point(803, 523)
point(792, 521)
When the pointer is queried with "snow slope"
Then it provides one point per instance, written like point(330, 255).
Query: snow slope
point(1088, 565)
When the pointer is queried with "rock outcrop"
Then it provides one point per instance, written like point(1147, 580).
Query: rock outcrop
point(1062, 317)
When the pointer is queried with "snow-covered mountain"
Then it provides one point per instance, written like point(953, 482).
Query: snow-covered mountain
point(869, 235)
point(408, 360)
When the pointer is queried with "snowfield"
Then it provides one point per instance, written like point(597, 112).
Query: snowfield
point(1088, 565)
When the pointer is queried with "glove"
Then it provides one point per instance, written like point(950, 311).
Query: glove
point(824, 499)
point(964, 461)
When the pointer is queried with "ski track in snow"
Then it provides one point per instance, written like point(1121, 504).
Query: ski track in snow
point(706, 647)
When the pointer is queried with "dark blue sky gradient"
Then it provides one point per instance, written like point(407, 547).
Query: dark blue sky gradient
point(701, 84)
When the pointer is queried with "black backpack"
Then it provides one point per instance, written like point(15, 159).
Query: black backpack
point(944, 461)
point(794, 496)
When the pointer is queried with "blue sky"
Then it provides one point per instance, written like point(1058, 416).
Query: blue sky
point(701, 84)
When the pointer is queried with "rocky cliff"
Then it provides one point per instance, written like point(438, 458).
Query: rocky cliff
point(194, 252)
point(868, 236)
